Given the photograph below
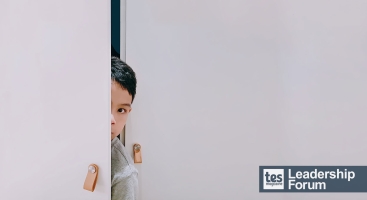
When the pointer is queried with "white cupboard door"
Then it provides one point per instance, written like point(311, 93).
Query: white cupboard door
point(54, 99)
point(226, 86)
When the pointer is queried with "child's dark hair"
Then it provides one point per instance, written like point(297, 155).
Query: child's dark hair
point(123, 75)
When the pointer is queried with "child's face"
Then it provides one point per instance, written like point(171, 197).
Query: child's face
point(120, 108)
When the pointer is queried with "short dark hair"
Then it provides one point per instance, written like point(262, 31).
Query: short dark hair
point(124, 75)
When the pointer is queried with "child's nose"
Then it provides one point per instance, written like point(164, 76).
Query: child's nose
point(112, 119)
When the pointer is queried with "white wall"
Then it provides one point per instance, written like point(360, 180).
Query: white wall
point(226, 86)
point(54, 99)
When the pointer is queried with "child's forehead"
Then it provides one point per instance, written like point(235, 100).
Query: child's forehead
point(120, 95)
point(115, 85)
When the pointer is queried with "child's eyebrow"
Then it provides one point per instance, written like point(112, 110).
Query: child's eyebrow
point(125, 104)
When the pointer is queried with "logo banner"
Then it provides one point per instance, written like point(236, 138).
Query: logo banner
point(313, 179)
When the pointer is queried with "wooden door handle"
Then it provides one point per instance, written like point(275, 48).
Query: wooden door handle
point(137, 153)
point(91, 179)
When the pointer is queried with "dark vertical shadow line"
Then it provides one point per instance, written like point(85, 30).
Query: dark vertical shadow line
point(115, 28)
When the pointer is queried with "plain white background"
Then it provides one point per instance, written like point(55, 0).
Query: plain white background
point(226, 86)
point(54, 99)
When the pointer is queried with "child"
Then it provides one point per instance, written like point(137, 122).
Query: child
point(124, 176)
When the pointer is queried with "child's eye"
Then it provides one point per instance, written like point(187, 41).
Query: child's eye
point(121, 110)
